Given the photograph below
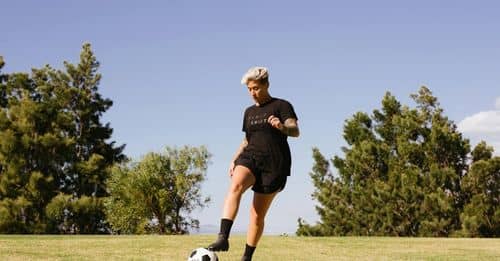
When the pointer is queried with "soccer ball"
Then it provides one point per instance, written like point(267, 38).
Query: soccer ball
point(202, 254)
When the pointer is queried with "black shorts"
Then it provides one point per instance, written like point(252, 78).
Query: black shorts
point(269, 177)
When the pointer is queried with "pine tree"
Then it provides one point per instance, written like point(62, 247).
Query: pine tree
point(83, 183)
point(400, 175)
point(28, 154)
point(481, 185)
point(53, 149)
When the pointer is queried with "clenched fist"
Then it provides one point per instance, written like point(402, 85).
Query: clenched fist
point(275, 122)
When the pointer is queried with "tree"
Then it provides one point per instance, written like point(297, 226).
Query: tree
point(401, 174)
point(54, 151)
point(90, 156)
point(157, 194)
point(29, 148)
point(481, 214)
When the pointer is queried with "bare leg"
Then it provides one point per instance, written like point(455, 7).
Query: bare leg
point(258, 211)
point(241, 180)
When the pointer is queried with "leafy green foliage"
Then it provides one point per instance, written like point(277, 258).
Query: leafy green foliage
point(157, 194)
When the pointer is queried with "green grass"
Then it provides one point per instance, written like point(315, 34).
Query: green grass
point(275, 248)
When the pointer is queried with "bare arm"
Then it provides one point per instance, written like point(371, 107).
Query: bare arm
point(289, 128)
point(243, 144)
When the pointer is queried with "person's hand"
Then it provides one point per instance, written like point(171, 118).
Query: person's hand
point(275, 122)
point(231, 169)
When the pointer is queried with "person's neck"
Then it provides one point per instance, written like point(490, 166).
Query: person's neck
point(264, 101)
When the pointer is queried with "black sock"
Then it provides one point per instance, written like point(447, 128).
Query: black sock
point(249, 252)
point(225, 227)
point(222, 242)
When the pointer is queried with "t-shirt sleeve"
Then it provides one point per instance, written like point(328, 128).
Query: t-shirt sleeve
point(245, 127)
point(287, 111)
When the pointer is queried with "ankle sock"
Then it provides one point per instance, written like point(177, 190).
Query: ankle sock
point(225, 227)
point(248, 252)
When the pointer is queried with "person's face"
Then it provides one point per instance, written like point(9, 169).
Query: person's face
point(258, 91)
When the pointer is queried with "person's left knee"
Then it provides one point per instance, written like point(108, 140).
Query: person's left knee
point(257, 219)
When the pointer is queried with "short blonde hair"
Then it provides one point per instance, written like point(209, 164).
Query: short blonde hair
point(256, 74)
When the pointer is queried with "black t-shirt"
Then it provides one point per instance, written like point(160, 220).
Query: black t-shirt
point(264, 139)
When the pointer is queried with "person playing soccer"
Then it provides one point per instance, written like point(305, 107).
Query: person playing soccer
point(262, 161)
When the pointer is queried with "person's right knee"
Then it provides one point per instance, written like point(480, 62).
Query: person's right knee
point(237, 189)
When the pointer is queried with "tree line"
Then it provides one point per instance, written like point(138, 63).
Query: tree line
point(405, 171)
point(60, 173)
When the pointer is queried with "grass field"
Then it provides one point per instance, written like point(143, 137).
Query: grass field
point(275, 248)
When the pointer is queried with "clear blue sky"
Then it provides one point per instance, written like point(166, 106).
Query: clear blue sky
point(173, 70)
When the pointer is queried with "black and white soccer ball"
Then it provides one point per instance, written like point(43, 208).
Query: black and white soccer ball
point(202, 254)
